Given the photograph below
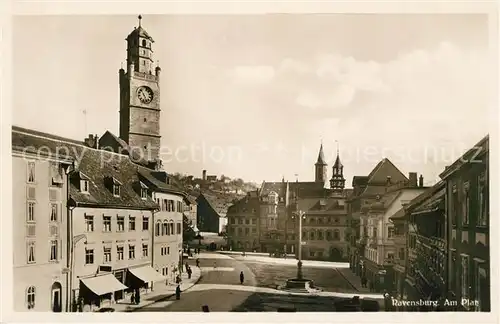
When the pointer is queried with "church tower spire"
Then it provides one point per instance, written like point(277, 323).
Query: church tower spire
point(320, 166)
point(337, 182)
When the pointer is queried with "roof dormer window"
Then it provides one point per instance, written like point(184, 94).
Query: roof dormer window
point(116, 187)
point(84, 182)
point(144, 190)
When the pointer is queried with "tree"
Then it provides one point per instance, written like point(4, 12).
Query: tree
point(188, 233)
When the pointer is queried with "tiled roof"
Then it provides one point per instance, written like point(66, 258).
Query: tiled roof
point(383, 169)
point(117, 145)
point(308, 189)
point(278, 187)
point(321, 156)
point(218, 203)
point(97, 165)
point(247, 202)
point(481, 148)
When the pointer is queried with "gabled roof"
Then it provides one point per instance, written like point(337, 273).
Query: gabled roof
point(219, 204)
point(248, 202)
point(113, 143)
point(95, 164)
point(384, 169)
point(155, 179)
point(267, 187)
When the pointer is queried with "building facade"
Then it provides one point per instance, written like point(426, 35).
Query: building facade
point(380, 251)
point(243, 223)
point(467, 197)
point(366, 191)
point(39, 227)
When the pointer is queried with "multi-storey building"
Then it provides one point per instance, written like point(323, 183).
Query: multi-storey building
point(39, 226)
point(271, 216)
point(380, 251)
point(168, 222)
point(426, 244)
point(366, 190)
point(467, 197)
point(243, 220)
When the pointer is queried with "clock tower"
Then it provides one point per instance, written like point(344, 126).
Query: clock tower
point(140, 97)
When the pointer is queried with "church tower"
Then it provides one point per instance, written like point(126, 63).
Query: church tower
point(320, 167)
point(140, 96)
point(337, 182)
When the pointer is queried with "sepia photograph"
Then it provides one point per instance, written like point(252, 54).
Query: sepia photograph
point(280, 162)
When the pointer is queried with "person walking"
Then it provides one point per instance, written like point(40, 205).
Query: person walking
point(198, 263)
point(187, 266)
point(242, 277)
point(189, 272)
point(178, 292)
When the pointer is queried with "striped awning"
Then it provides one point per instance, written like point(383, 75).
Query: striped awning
point(102, 285)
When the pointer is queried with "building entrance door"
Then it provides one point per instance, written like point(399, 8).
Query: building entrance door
point(56, 297)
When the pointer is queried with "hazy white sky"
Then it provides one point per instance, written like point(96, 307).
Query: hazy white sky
point(260, 92)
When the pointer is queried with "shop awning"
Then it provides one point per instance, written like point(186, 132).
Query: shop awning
point(146, 274)
point(102, 285)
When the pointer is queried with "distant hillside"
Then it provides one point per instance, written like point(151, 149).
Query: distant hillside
point(221, 191)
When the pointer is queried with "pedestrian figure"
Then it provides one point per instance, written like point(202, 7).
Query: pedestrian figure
point(198, 263)
point(189, 271)
point(189, 251)
point(132, 298)
point(363, 282)
point(187, 266)
point(371, 286)
point(178, 279)
point(242, 277)
point(178, 292)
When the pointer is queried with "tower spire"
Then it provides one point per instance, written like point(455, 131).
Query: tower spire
point(140, 18)
point(337, 147)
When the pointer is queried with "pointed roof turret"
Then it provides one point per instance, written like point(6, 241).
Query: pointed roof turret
point(337, 163)
point(321, 156)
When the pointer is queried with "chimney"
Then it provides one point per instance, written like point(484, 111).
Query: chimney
point(421, 181)
point(204, 175)
point(412, 176)
point(91, 141)
point(96, 139)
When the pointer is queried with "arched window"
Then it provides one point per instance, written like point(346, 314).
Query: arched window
point(30, 297)
point(166, 229)
point(311, 235)
point(336, 235)
point(320, 235)
point(144, 43)
point(157, 229)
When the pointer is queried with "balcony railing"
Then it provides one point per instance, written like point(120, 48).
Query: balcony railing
point(433, 242)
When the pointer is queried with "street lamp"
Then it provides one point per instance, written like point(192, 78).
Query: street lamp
point(301, 215)
point(74, 241)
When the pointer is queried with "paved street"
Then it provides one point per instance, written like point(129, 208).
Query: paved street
point(219, 288)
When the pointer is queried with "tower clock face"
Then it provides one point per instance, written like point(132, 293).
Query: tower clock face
point(145, 94)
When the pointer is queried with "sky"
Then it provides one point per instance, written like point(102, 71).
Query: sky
point(254, 96)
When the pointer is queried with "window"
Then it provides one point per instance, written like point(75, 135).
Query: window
point(454, 202)
point(31, 252)
point(453, 268)
point(311, 236)
point(116, 190)
point(254, 230)
point(131, 252)
point(311, 253)
point(304, 235)
point(465, 276)
point(89, 223)
point(232, 221)
point(144, 193)
point(329, 235)
point(89, 256)
point(145, 223)
point(482, 218)
point(30, 297)
point(336, 235)
point(131, 223)
point(247, 221)
point(466, 204)
point(254, 221)
point(119, 252)
point(53, 212)
point(84, 186)
point(168, 249)
point(144, 250)
point(374, 232)
point(120, 220)
point(320, 235)
point(390, 232)
point(401, 254)
point(107, 254)
point(171, 228)
point(247, 231)
point(30, 214)
point(53, 250)
point(390, 256)
point(179, 230)
point(31, 172)
point(240, 221)
point(106, 223)
point(165, 229)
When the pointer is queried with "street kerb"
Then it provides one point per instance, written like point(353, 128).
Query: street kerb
point(169, 295)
